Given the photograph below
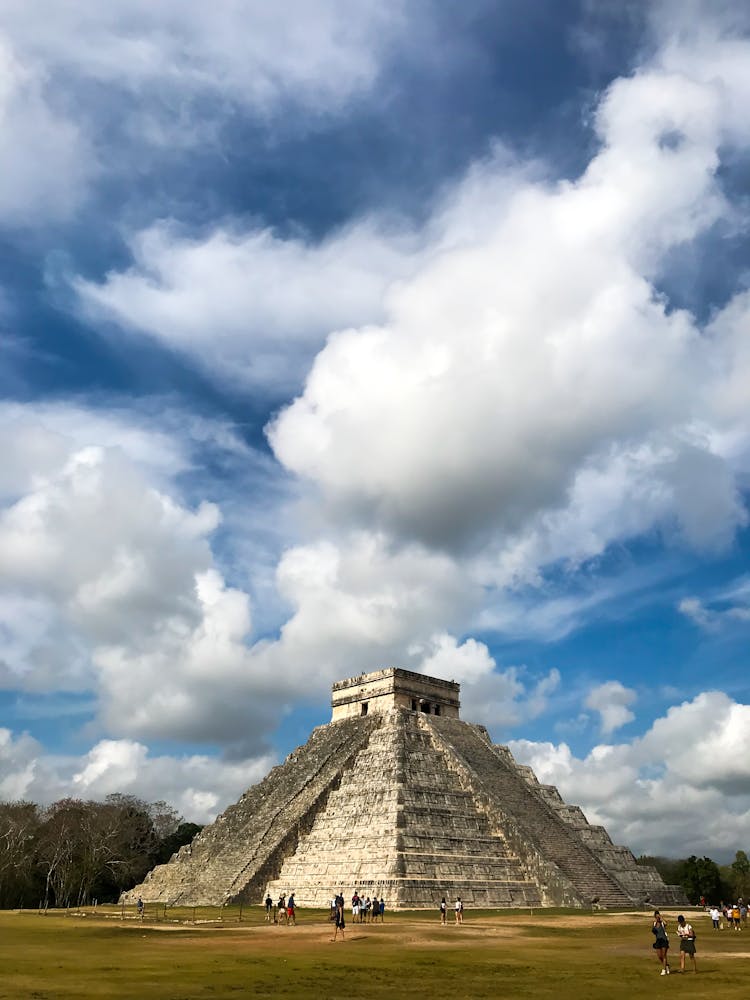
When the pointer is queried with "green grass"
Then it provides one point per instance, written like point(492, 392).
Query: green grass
point(565, 955)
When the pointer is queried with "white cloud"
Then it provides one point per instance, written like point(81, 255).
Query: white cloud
point(109, 582)
point(730, 606)
point(47, 160)
point(682, 788)
point(251, 307)
point(528, 374)
point(611, 700)
point(151, 77)
point(198, 786)
point(243, 50)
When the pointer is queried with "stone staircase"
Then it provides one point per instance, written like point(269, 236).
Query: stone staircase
point(234, 857)
point(401, 826)
point(569, 872)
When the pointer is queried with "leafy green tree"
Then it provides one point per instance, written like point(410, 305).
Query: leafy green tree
point(171, 844)
point(740, 875)
point(75, 851)
point(700, 877)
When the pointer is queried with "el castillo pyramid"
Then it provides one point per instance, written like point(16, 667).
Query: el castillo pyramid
point(400, 798)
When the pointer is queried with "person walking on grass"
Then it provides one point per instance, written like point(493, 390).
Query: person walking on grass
point(661, 942)
point(443, 911)
point(459, 910)
point(291, 911)
point(687, 942)
point(340, 922)
point(269, 908)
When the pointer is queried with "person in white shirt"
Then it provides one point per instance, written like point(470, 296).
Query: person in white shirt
point(687, 942)
point(715, 916)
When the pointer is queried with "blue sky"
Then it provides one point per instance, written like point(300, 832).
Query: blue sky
point(337, 336)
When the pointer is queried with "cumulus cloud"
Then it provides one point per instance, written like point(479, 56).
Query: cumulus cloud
point(529, 372)
point(682, 788)
point(109, 579)
point(198, 786)
point(611, 700)
point(496, 697)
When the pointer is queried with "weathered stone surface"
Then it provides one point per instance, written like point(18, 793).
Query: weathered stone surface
point(398, 797)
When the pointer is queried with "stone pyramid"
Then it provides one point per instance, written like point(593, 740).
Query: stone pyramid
point(398, 797)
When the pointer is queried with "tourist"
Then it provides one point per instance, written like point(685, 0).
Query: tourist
point(290, 913)
point(661, 942)
point(736, 916)
point(381, 910)
point(355, 907)
point(368, 909)
point(340, 922)
point(443, 911)
point(269, 907)
point(459, 910)
point(687, 942)
point(281, 910)
point(140, 907)
point(715, 916)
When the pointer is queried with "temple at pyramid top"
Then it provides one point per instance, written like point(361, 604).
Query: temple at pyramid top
point(391, 688)
point(399, 797)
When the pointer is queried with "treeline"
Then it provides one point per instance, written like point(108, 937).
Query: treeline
point(74, 852)
point(704, 878)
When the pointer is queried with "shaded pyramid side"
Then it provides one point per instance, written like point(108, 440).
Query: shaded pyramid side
point(234, 857)
point(567, 872)
point(403, 826)
point(642, 882)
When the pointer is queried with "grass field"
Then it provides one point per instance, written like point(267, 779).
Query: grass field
point(565, 955)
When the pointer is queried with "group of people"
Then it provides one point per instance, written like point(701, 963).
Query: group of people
point(364, 910)
point(734, 915)
point(458, 908)
point(661, 942)
point(284, 912)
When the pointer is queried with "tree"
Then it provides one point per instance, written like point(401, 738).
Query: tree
point(19, 831)
point(740, 875)
point(700, 877)
point(75, 851)
point(171, 844)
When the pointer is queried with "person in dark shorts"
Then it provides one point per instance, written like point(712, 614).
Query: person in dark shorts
point(687, 942)
point(661, 942)
point(269, 908)
point(340, 921)
point(443, 910)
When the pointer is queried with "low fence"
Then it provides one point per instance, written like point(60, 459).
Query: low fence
point(155, 913)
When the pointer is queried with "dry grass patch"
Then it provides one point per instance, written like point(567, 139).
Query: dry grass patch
point(560, 955)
